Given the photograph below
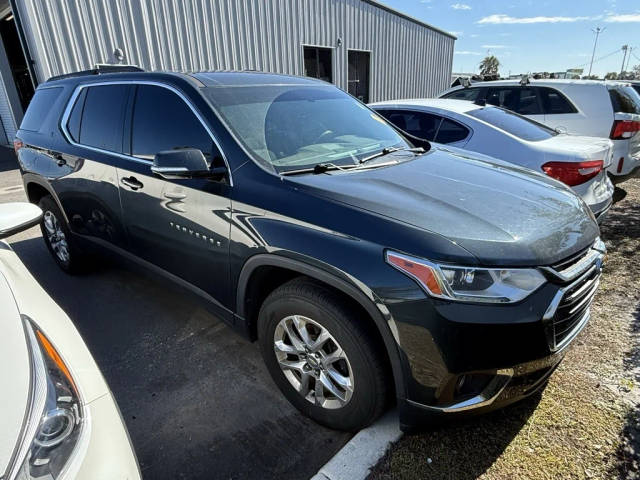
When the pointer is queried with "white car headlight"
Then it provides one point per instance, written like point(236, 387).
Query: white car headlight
point(55, 415)
point(469, 284)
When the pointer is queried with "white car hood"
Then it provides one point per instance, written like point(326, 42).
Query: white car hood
point(14, 373)
point(577, 148)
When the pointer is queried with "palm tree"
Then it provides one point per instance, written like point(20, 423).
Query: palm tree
point(490, 65)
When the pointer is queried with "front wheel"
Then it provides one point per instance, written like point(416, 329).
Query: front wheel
point(321, 355)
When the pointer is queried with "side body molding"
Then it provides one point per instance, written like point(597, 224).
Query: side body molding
point(341, 284)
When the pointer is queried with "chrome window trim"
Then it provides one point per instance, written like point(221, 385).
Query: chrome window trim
point(72, 100)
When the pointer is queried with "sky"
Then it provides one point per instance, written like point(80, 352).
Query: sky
point(534, 36)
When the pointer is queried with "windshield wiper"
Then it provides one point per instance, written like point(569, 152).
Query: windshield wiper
point(388, 150)
point(317, 169)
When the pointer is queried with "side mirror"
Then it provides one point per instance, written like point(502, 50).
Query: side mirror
point(18, 216)
point(183, 163)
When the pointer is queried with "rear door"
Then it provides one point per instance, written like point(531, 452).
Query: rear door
point(181, 226)
point(84, 177)
point(428, 125)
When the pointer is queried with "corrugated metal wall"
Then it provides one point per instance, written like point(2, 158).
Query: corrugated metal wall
point(408, 59)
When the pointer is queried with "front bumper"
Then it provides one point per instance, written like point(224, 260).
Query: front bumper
point(463, 358)
point(105, 451)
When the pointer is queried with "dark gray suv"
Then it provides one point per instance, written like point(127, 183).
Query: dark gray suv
point(371, 267)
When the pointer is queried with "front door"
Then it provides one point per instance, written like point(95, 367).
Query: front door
point(358, 80)
point(181, 226)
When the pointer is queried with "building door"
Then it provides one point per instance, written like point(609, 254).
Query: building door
point(358, 80)
point(317, 63)
point(17, 63)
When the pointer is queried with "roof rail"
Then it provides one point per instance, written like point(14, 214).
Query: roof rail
point(99, 69)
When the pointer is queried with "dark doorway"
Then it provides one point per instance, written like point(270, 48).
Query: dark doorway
point(358, 80)
point(17, 62)
point(317, 63)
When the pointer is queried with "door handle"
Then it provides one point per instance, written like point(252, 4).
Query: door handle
point(132, 182)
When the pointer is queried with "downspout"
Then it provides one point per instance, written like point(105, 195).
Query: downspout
point(23, 43)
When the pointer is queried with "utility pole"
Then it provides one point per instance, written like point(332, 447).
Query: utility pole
point(624, 58)
point(629, 59)
point(597, 31)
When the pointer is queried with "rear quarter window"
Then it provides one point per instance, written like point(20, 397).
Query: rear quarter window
point(624, 99)
point(39, 108)
point(554, 102)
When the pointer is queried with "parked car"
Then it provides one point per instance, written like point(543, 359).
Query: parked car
point(581, 107)
point(59, 419)
point(366, 266)
point(577, 161)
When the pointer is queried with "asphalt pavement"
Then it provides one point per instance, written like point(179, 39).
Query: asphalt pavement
point(196, 397)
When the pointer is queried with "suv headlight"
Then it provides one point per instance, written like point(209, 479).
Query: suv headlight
point(468, 284)
point(55, 415)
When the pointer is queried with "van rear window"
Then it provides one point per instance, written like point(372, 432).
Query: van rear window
point(39, 108)
point(624, 99)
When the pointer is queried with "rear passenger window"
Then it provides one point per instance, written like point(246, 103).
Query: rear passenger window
point(103, 116)
point(555, 102)
point(523, 100)
point(39, 108)
point(451, 132)
point(470, 94)
point(418, 124)
point(163, 121)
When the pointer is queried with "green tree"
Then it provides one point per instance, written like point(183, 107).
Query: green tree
point(611, 76)
point(489, 66)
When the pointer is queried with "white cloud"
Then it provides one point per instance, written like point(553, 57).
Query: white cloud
point(474, 35)
point(460, 6)
point(501, 18)
point(466, 52)
point(456, 33)
point(495, 47)
point(626, 18)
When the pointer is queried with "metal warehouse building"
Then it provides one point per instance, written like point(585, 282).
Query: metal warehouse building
point(366, 48)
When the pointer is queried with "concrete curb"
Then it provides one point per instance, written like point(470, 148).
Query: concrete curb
point(363, 451)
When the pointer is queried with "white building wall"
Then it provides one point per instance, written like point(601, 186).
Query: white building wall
point(408, 59)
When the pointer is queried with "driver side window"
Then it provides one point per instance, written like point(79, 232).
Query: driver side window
point(163, 121)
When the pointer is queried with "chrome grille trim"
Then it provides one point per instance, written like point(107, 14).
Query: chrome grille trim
point(577, 268)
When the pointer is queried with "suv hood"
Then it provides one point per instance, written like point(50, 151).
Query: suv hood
point(502, 214)
point(14, 374)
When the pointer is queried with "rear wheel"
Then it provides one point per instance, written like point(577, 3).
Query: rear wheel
point(58, 238)
point(321, 356)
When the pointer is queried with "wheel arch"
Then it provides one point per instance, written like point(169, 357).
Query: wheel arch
point(36, 188)
point(280, 269)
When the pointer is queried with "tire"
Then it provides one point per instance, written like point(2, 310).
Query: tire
point(304, 305)
point(58, 238)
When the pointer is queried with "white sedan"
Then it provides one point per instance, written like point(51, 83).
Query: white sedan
point(59, 419)
point(578, 161)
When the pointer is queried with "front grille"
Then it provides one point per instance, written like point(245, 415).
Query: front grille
point(573, 309)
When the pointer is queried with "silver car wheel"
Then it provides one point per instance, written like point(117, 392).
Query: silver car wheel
point(56, 237)
point(313, 362)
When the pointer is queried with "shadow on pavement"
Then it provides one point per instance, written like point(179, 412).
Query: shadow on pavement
point(196, 398)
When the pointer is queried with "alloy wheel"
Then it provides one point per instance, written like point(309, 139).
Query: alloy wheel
point(56, 237)
point(313, 362)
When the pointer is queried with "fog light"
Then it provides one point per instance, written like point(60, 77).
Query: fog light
point(55, 427)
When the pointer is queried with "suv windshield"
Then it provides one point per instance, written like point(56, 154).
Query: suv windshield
point(511, 122)
point(294, 127)
point(624, 99)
